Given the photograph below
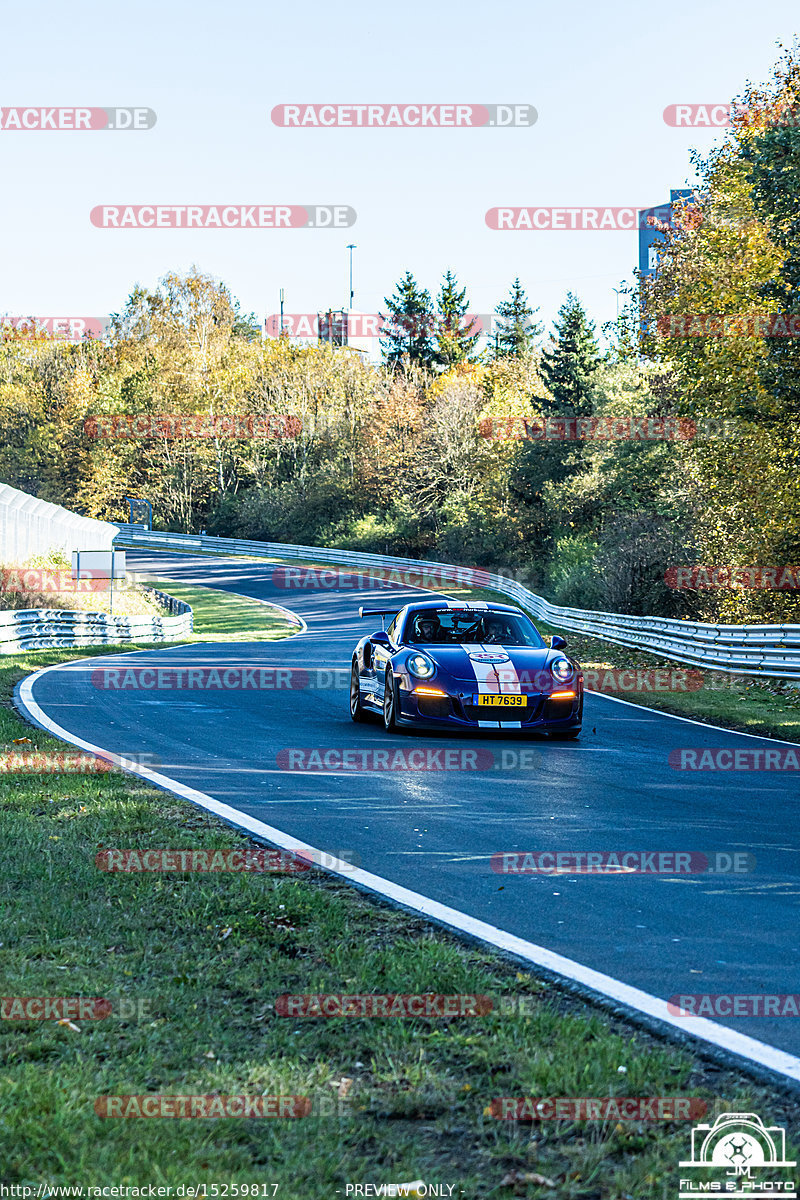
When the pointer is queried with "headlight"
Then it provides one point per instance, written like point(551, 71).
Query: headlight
point(421, 666)
point(561, 669)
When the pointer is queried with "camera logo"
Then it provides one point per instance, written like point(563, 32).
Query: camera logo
point(737, 1143)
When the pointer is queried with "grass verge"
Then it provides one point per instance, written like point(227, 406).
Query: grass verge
point(199, 959)
point(226, 617)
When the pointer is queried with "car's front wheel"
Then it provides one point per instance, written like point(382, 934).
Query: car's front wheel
point(390, 703)
point(356, 707)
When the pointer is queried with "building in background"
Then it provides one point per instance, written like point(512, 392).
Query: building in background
point(356, 331)
point(332, 327)
point(649, 233)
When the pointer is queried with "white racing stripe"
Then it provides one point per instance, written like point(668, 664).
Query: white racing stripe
point(492, 679)
point(720, 1036)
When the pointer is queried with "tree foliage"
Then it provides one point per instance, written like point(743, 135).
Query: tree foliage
point(517, 330)
point(438, 452)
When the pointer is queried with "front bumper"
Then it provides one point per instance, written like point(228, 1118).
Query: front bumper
point(459, 711)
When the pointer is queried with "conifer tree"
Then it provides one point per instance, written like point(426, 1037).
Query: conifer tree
point(455, 336)
point(408, 328)
point(516, 329)
point(569, 366)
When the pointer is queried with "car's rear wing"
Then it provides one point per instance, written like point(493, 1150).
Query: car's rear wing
point(385, 612)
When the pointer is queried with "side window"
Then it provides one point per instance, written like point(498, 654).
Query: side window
point(392, 629)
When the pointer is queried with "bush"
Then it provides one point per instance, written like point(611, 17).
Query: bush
point(573, 577)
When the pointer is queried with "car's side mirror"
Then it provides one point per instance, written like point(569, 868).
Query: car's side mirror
point(381, 638)
point(557, 642)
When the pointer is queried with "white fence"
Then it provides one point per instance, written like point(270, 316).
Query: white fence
point(29, 527)
point(765, 650)
point(45, 629)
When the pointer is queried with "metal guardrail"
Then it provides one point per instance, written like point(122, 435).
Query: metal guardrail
point(771, 651)
point(45, 629)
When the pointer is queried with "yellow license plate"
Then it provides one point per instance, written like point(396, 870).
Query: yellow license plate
point(503, 701)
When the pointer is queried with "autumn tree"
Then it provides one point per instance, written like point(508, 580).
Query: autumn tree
point(729, 262)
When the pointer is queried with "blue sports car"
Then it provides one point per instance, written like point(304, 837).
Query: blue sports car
point(452, 664)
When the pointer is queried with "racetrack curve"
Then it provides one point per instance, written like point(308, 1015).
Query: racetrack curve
point(434, 831)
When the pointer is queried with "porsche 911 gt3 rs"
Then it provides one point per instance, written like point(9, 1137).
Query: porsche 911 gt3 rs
point(447, 664)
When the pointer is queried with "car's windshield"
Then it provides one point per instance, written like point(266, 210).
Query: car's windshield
point(453, 627)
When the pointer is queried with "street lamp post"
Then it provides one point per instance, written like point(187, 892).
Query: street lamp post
point(351, 247)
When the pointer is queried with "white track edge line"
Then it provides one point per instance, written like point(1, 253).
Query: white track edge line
point(762, 737)
point(760, 1053)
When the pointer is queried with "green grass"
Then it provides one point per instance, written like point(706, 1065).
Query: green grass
point(751, 705)
point(224, 617)
point(208, 954)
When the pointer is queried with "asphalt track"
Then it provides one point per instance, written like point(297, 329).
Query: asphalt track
point(434, 831)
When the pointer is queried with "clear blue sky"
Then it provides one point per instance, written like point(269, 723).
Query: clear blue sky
point(600, 76)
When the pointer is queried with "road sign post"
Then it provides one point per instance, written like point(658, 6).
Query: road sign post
point(100, 564)
point(144, 506)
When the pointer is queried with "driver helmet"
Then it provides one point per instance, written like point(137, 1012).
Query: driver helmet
point(427, 626)
point(495, 627)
